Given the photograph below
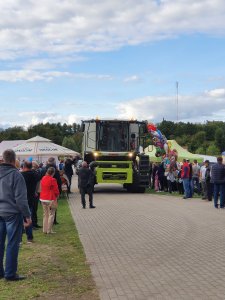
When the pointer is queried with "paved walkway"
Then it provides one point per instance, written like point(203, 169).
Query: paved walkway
point(142, 246)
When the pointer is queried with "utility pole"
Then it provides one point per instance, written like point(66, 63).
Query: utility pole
point(177, 86)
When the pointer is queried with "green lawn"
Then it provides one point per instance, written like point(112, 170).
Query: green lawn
point(55, 265)
point(174, 194)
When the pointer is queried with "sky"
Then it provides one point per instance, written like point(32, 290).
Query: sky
point(71, 60)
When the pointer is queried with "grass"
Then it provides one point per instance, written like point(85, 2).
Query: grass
point(55, 265)
point(174, 194)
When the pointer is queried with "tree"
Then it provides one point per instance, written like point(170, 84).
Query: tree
point(73, 142)
point(220, 139)
point(68, 142)
point(14, 133)
point(200, 150)
point(213, 150)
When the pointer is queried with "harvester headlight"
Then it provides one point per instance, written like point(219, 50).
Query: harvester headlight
point(95, 154)
point(130, 154)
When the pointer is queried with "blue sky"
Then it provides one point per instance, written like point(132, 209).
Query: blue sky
point(67, 60)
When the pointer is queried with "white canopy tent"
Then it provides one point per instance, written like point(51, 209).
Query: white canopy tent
point(4, 145)
point(40, 149)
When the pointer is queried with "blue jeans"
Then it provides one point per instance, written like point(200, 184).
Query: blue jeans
point(11, 227)
point(219, 189)
point(195, 183)
point(29, 229)
point(191, 188)
point(186, 184)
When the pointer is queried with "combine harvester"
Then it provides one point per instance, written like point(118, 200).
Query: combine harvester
point(114, 151)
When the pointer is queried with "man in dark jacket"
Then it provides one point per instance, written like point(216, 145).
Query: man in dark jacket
point(218, 180)
point(68, 168)
point(31, 179)
point(13, 208)
point(86, 184)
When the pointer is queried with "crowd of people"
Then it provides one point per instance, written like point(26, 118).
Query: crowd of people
point(22, 186)
point(186, 178)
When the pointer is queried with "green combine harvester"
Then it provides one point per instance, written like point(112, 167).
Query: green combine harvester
point(114, 151)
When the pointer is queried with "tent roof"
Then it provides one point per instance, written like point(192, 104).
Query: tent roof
point(212, 159)
point(38, 139)
point(182, 153)
point(39, 146)
point(9, 145)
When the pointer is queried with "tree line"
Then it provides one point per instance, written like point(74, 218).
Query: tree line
point(207, 138)
point(69, 136)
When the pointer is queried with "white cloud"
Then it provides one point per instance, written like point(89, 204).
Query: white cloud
point(216, 93)
point(72, 26)
point(32, 75)
point(209, 105)
point(206, 106)
point(50, 62)
point(33, 117)
point(133, 78)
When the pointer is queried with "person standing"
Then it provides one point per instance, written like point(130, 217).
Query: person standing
point(218, 180)
point(209, 185)
point(190, 178)
point(185, 173)
point(86, 184)
point(202, 179)
point(68, 169)
point(171, 179)
point(195, 176)
point(52, 163)
point(162, 178)
point(48, 197)
point(31, 179)
point(13, 209)
point(37, 170)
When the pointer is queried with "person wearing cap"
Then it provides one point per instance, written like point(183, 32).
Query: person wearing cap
point(218, 180)
point(86, 184)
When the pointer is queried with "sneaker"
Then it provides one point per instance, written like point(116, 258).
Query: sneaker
point(92, 206)
point(30, 241)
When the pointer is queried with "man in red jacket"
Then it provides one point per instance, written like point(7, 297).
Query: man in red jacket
point(185, 173)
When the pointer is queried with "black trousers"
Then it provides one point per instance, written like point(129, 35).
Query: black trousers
point(34, 211)
point(86, 190)
point(70, 181)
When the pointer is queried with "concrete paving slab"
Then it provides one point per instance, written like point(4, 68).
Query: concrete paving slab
point(143, 246)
